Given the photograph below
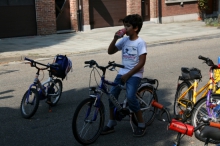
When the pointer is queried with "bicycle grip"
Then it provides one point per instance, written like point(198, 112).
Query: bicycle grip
point(156, 104)
point(119, 65)
point(202, 58)
point(25, 58)
point(213, 124)
point(87, 62)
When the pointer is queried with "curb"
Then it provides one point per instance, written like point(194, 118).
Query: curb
point(5, 60)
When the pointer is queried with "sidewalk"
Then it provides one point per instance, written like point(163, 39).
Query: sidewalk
point(15, 49)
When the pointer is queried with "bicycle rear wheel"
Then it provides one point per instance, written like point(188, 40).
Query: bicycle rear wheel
point(148, 95)
point(199, 112)
point(29, 103)
point(55, 91)
point(178, 108)
point(88, 121)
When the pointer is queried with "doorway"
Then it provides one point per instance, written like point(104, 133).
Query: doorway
point(63, 14)
point(145, 10)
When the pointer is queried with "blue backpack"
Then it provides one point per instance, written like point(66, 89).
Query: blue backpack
point(64, 65)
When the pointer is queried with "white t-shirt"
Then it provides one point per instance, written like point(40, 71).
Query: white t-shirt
point(131, 50)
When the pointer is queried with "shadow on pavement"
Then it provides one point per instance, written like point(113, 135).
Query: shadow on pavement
point(4, 97)
point(54, 128)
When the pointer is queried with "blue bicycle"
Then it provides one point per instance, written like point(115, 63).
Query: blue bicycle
point(49, 90)
point(89, 116)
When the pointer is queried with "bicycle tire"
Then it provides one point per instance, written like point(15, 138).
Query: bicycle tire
point(53, 90)
point(198, 112)
point(180, 90)
point(80, 122)
point(27, 111)
point(148, 94)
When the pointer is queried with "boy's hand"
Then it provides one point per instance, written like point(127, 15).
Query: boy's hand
point(120, 33)
point(125, 77)
point(115, 36)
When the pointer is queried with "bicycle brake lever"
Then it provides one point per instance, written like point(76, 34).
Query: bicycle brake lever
point(160, 114)
point(112, 69)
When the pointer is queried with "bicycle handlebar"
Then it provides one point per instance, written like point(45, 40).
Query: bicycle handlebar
point(207, 122)
point(163, 111)
point(93, 62)
point(202, 58)
point(213, 124)
point(208, 61)
point(33, 64)
point(32, 61)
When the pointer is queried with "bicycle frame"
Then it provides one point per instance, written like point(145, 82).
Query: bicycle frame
point(195, 93)
point(102, 88)
point(43, 92)
point(208, 86)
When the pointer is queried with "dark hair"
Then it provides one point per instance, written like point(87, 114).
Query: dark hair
point(135, 20)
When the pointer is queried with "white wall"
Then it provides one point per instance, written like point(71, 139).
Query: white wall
point(179, 18)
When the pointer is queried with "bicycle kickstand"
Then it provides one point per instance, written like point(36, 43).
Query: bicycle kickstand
point(49, 103)
point(50, 109)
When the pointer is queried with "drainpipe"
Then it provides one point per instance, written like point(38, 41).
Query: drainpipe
point(159, 12)
point(79, 15)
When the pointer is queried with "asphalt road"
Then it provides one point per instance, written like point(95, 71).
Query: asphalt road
point(54, 129)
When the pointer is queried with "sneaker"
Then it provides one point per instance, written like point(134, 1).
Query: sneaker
point(107, 130)
point(140, 131)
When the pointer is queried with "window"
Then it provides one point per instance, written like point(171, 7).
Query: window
point(178, 1)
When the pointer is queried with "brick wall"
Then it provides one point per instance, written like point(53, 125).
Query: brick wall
point(73, 14)
point(153, 8)
point(85, 9)
point(176, 9)
point(133, 7)
point(45, 17)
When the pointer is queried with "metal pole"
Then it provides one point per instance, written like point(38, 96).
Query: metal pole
point(159, 11)
point(79, 15)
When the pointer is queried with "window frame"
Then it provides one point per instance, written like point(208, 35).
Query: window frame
point(178, 1)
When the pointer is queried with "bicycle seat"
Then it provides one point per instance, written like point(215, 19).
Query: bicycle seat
point(191, 73)
point(210, 132)
point(185, 69)
point(146, 80)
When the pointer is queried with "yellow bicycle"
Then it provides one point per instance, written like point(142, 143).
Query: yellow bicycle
point(187, 94)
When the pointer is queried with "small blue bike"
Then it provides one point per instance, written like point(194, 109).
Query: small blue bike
point(50, 90)
point(89, 117)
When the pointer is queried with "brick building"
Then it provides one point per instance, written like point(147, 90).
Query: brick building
point(43, 17)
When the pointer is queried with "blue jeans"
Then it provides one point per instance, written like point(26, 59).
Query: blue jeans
point(132, 85)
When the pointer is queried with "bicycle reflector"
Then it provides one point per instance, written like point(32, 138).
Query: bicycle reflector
point(181, 127)
point(219, 61)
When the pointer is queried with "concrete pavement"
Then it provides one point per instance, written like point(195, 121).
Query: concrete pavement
point(15, 49)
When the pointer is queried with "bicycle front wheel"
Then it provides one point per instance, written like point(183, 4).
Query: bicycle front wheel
point(55, 91)
point(147, 94)
point(179, 107)
point(199, 112)
point(29, 103)
point(88, 121)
